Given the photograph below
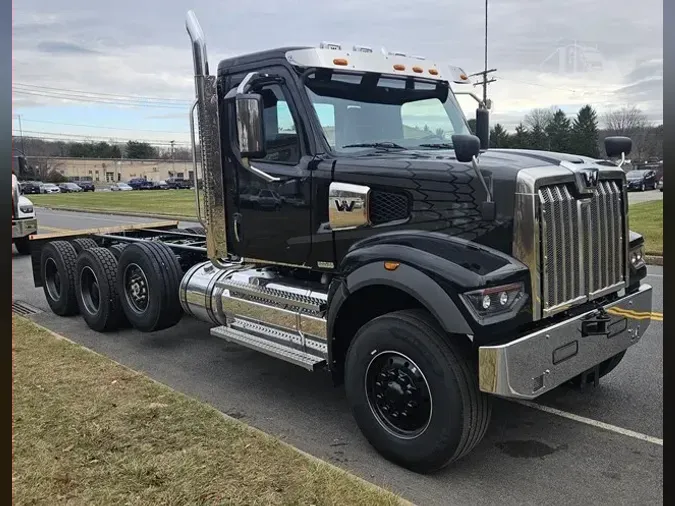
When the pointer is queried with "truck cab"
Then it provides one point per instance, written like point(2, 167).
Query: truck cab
point(24, 221)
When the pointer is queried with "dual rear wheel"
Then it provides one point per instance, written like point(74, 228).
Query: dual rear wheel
point(111, 288)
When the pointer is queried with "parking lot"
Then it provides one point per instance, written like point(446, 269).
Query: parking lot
point(601, 446)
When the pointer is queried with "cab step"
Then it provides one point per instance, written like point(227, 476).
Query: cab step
point(269, 346)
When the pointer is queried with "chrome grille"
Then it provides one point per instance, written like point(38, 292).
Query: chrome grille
point(582, 244)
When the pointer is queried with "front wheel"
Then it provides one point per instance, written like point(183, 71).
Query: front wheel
point(414, 391)
point(642, 187)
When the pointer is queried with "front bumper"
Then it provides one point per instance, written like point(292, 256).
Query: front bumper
point(24, 227)
point(535, 364)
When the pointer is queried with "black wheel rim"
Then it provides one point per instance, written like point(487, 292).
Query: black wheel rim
point(136, 290)
point(398, 394)
point(91, 292)
point(52, 279)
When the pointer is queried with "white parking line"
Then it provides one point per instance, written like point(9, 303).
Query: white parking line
point(593, 423)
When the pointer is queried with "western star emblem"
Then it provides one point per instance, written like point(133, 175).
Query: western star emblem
point(590, 177)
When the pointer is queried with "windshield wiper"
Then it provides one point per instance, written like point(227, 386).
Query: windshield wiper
point(438, 145)
point(385, 145)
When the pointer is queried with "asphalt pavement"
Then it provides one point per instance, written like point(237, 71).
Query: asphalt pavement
point(599, 446)
point(634, 197)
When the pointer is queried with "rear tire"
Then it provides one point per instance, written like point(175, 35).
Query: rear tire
point(148, 279)
point(57, 270)
point(96, 290)
point(449, 414)
point(22, 245)
point(116, 250)
point(83, 243)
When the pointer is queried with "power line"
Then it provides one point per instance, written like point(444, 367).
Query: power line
point(75, 137)
point(80, 98)
point(101, 127)
point(113, 95)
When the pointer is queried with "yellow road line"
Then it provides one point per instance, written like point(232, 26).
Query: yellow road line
point(635, 315)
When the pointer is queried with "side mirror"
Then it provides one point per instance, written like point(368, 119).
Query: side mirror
point(615, 146)
point(483, 127)
point(466, 147)
point(250, 125)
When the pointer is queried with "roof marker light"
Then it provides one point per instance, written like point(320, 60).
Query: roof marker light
point(330, 45)
point(340, 61)
point(418, 69)
point(433, 72)
point(398, 66)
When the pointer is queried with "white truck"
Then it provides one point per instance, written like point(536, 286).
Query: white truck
point(24, 221)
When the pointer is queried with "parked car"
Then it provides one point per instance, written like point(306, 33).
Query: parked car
point(30, 187)
point(120, 187)
point(49, 188)
point(140, 184)
point(660, 185)
point(69, 188)
point(87, 186)
point(179, 183)
point(159, 185)
point(641, 180)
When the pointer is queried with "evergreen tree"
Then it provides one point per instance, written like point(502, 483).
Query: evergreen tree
point(538, 138)
point(585, 136)
point(499, 137)
point(521, 139)
point(559, 132)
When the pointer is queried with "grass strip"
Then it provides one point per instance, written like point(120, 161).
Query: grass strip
point(87, 430)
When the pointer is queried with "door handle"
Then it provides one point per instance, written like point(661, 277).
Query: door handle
point(260, 173)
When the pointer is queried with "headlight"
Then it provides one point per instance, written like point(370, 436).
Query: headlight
point(495, 301)
point(26, 209)
point(637, 257)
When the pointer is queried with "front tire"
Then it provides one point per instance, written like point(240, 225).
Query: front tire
point(148, 279)
point(414, 391)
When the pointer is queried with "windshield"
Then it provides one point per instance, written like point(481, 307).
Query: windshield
point(358, 111)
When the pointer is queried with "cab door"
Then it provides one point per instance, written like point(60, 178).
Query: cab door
point(271, 220)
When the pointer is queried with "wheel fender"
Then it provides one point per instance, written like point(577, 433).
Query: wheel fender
point(414, 283)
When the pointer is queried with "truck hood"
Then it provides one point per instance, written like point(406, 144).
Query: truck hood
point(447, 195)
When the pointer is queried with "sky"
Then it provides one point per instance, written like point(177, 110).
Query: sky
point(129, 64)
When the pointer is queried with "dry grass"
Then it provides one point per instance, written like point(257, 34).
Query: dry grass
point(90, 431)
point(646, 218)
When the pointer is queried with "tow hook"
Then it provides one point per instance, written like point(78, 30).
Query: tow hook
point(596, 324)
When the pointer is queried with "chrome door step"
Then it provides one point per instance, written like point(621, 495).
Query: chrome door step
point(269, 345)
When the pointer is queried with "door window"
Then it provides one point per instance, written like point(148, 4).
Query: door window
point(282, 142)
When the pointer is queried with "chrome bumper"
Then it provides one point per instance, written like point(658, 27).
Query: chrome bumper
point(24, 227)
point(535, 364)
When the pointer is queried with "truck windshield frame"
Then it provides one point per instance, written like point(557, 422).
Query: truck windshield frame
point(360, 112)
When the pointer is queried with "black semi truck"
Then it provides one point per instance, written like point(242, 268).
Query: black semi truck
point(352, 223)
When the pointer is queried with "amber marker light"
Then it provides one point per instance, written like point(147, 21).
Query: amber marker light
point(419, 70)
point(340, 61)
point(398, 66)
point(391, 266)
point(433, 72)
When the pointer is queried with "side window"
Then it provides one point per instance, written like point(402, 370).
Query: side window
point(282, 141)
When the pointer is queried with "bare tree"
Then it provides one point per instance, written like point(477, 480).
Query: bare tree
point(625, 121)
point(538, 119)
point(629, 121)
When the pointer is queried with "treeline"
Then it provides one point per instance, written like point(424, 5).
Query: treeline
point(553, 130)
point(136, 150)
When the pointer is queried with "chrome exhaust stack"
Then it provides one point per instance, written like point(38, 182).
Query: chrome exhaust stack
point(206, 102)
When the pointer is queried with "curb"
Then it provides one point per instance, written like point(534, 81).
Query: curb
point(260, 432)
point(190, 219)
point(654, 260)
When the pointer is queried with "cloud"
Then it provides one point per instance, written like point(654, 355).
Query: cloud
point(547, 52)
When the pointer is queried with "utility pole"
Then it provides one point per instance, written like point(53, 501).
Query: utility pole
point(173, 167)
point(23, 148)
point(485, 72)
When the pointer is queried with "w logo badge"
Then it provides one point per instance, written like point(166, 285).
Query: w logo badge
point(590, 178)
point(344, 205)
